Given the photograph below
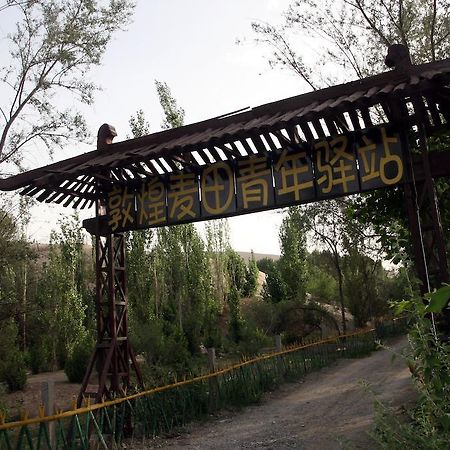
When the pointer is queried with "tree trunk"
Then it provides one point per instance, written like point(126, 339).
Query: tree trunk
point(24, 307)
point(341, 293)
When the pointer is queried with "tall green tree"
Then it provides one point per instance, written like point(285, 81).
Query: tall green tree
point(62, 319)
point(217, 241)
point(251, 277)
point(326, 221)
point(140, 260)
point(173, 114)
point(292, 264)
point(182, 260)
point(15, 254)
point(53, 47)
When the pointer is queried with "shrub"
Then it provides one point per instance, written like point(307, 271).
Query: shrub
point(39, 359)
point(78, 359)
point(15, 374)
point(427, 426)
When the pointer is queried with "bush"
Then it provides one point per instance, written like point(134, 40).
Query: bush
point(15, 373)
point(427, 426)
point(253, 340)
point(78, 359)
point(39, 359)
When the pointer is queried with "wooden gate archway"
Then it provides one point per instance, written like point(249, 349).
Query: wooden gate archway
point(329, 143)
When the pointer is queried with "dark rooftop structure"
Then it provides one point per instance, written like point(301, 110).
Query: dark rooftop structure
point(408, 93)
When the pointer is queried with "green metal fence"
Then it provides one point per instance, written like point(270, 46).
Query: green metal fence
point(160, 410)
point(393, 327)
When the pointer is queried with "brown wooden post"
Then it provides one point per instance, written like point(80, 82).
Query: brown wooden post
point(212, 363)
point(278, 346)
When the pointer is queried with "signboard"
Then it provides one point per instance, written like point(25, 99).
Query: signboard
point(299, 173)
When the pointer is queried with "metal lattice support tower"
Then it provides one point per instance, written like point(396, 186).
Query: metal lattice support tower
point(113, 356)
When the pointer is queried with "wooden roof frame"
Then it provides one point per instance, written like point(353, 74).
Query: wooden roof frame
point(408, 94)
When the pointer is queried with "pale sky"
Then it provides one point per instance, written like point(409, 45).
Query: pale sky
point(191, 45)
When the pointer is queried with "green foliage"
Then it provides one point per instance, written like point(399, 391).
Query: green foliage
point(52, 48)
point(141, 275)
point(362, 279)
point(275, 289)
point(173, 115)
point(322, 285)
point(14, 372)
point(292, 264)
point(217, 241)
point(236, 271)
point(39, 358)
point(170, 294)
point(61, 305)
point(428, 424)
point(265, 264)
point(286, 278)
point(78, 359)
point(251, 278)
point(235, 326)
point(139, 125)
point(341, 50)
point(253, 341)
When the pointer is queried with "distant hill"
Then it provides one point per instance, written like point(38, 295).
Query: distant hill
point(42, 252)
point(248, 255)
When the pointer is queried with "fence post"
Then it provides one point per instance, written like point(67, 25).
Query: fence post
point(212, 359)
point(48, 401)
point(278, 346)
point(212, 381)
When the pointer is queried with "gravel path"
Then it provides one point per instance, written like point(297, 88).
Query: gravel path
point(329, 409)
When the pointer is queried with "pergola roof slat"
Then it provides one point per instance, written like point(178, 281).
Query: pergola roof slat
point(329, 110)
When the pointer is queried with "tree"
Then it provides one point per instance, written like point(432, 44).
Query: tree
point(138, 124)
point(236, 271)
point(15, 253)
point(173, 115)
point(251, 277)
point(182, 260)
point(141, 266)
point(363, 273)
point(326, 222)
point(350, 35)
point(54, 45)
point(292, 264)
point(217, 241)
point(348, 39)
point(62, 310)
point(322, 284)
point(275, 289)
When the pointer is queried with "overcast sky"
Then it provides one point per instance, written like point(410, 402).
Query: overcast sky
point(191, 45)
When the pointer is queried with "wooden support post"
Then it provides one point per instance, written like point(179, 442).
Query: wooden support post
point(212, 364)
point(48, 401)
point(278, 346)
point(213, 382)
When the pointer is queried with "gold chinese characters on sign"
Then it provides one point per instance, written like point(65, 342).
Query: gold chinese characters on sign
point(121, 208)
point(254, 184)
point(217, 190)
point(151, 204)
point(380, 158)
point(299, 173)
point(293, 175)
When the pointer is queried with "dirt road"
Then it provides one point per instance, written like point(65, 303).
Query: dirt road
point(330, 409)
